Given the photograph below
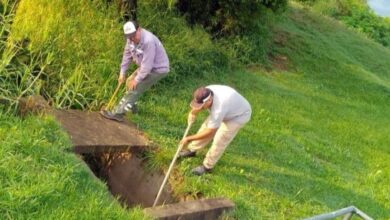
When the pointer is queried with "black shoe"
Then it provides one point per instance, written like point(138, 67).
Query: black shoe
point(131, 107)
point(112, 116)
point(134, 109)
point(200, 170)
point(186, 153)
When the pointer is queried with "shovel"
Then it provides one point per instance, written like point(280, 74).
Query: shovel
point(171, 166)
point(111, 102)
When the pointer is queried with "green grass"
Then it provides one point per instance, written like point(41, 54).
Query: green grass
point(86, 40)
point(318, 139)
point(77, 34)
point(40, 178)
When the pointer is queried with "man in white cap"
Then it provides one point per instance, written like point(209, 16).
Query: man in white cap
point(229, 111)
point(146, 51)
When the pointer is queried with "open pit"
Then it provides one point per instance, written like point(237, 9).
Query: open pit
point(128, 179)
point(115, 153)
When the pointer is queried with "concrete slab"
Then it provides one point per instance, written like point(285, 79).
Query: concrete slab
point(91, 133)
point(206, 209)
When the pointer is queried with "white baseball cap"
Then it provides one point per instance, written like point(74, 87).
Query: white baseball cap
point(129, 28)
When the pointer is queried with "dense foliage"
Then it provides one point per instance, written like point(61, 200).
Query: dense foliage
point(83, 73)
point(223, 17)
point(369, 23)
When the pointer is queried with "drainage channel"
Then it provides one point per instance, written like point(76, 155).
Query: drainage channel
point(127, 178)
point(115, 153)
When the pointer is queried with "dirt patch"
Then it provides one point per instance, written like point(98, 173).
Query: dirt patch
point(32, 104)
point(279, 62)
point(128, 178)
point(280, 38)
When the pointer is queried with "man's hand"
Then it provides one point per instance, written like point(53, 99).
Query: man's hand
point(184, 141)
point(191, 118)
point(132, 84)
point(121, 78)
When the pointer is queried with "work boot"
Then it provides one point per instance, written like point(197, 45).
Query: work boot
point(131, 107)
point(134, 109)
point(112, 116)
point(200, 170)
point(186, 153)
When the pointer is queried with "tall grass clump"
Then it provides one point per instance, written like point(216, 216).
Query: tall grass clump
point(77, 34)
point(22, 73)
point(7, 54)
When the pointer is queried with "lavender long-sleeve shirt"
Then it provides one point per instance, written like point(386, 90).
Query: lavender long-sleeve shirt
point(149, 55)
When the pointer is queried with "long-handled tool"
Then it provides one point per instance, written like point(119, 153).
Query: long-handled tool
point(111, 102)
point(171, 166)
point(131, 77)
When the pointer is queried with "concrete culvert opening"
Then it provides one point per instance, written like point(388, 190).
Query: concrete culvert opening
point(115, 153)
point(128, 179)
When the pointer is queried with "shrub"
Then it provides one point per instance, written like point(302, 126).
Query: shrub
point(367, 22)
point(309, 2)
point(358, 15)
point(228, 17)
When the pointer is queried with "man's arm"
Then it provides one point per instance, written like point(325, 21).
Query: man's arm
point(126, 59)
point(206, 133)
point(192, 115)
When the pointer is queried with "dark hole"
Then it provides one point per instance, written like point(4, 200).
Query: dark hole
point(127, 178)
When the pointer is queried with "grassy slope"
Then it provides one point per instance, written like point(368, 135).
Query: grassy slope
point(40, 179)
point(318, 139)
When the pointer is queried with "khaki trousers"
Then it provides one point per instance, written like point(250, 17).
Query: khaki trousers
point(222, 138)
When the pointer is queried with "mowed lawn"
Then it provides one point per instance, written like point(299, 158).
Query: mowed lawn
point(319, 135)
point(318, 139)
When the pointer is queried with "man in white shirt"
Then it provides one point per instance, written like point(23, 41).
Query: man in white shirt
point(229, 111)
